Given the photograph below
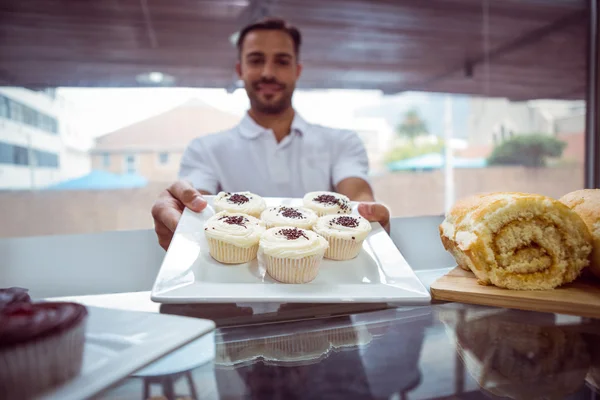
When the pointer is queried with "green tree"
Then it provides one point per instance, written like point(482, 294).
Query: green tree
point(411, 126)
point(527, 150)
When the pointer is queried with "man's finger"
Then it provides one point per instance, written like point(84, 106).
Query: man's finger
point(367, 211)
point(374, 212)
point(166, 215)
point(190, 197)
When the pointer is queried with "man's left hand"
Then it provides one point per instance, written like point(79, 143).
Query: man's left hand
point(375, 212)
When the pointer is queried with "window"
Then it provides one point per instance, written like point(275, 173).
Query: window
point(472, 90)
point(4, 112)
point(46, 159)
point(6, 153)
point(21, 113)
point(106, 160)
point(163, 158)
point(130, 164)
point(16, 111)
point(20, 155)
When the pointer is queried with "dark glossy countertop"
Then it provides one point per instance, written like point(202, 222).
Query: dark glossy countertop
point(449, 351)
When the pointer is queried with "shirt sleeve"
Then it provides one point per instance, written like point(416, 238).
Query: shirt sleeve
point(196, 168)
point(351, 160)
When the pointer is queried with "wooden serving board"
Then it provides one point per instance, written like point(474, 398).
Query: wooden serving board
point(581, 298)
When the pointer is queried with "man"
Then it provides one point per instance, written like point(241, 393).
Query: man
point(273, 152)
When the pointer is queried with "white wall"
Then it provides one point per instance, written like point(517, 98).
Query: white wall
point(74, 163)
point(18, 177)
point(23, 135)
point(571, 124)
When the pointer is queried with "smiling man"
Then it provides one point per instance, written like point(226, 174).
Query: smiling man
point(273, 152)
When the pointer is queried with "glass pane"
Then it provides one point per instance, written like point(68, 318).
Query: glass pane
point(449, 98)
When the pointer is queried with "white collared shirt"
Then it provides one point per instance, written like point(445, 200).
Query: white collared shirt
point(248, 158)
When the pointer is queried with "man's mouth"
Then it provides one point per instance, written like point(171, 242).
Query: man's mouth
point(269, 88)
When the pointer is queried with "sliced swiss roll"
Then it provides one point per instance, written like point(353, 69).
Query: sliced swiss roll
point(586, 203)
point(517, 241)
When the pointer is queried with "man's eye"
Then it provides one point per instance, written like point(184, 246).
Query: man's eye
point(283, 62)
point(254, 61)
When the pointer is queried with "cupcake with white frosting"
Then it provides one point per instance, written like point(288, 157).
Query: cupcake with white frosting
point(299, 217)
point(292, 255)
point(241, 202)
point(326, 203)
point(233, 237)
point(345, 234)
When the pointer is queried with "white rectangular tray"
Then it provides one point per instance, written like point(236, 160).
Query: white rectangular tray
point(189, 274)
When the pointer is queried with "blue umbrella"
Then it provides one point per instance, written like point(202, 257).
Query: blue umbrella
point(434, 161)
point(101, 180)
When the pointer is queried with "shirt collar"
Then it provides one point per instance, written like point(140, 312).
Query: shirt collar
point(248, 128)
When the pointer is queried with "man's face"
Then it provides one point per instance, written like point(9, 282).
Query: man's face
point(269, 68)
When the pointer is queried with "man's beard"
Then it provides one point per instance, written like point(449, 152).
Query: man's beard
point(270, 108)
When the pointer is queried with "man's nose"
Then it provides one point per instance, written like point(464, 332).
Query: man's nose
point(268, 70)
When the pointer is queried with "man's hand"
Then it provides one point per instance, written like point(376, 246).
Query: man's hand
point(359, 190)
point(375, 212)
point(167, 209)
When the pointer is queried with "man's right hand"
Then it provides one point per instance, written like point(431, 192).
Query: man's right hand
point(167, 209)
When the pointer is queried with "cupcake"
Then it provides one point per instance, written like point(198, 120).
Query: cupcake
point(325, 203)
point(345, 234)
point(299, 217)
point(240, 202)
point(41, 346)
point(292, 255)
point(233, 237)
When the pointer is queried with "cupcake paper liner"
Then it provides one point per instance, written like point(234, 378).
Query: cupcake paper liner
point(227, 253)
point(342, 249)
point(293, 270)
point(30, 368)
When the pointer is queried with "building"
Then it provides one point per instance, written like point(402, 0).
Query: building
point(39, 144)
point(153, 147)
point(492, 120)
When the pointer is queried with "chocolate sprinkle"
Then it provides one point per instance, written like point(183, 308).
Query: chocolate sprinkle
point(238, 199)
point(234, 220)
point(293, 234)
point(331, 200)
point(291, 213)
point(349, 222)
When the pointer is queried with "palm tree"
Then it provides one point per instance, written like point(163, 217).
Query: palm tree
point(412, 126)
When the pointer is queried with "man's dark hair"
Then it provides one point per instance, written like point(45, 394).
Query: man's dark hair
point(271, 24)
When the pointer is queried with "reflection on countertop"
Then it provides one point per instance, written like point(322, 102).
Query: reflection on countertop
point(447, 351)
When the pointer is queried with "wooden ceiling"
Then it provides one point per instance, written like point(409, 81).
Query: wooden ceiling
point(520, 49)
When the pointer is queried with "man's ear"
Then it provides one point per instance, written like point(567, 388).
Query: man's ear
point(238, 69)
point(298, 70)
